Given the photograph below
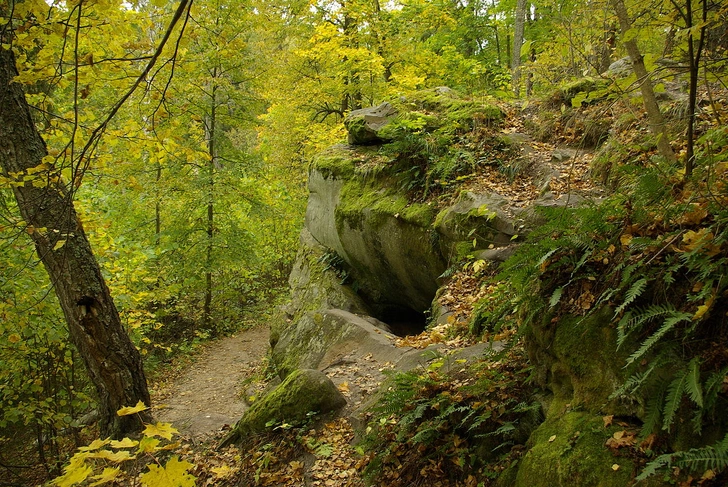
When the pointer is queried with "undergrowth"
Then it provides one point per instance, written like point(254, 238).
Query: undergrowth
point(655, 253)
point(450, 421)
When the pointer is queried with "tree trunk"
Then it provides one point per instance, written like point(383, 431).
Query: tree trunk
point(654, 116)
point(694, 53)
point(212, 152)
point(114, 364)
point(519, 24)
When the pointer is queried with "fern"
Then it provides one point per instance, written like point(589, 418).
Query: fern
point(653, 413)
point(634, 292)
point(713, 457)
point(666, 327)
point(556, 296)
point(692, 385)
point(675, 393)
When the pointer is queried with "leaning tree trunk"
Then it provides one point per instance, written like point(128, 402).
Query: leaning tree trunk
point(114, 364)
point(519, 24)
point(654, 116)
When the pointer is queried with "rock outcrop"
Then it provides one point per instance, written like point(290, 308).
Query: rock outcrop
point(304, 391)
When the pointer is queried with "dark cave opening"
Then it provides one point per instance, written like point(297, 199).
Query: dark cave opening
point(404, 321)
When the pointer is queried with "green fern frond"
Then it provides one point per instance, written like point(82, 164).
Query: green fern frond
point(666, 327)
point(713, 386)
point(633, 293)
point(692, 385)
point(653, 413)
point(713, 457)
point(656, 465)
point(556, 296)
point(675, 393)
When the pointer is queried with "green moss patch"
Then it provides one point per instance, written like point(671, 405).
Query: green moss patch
point(570, 451)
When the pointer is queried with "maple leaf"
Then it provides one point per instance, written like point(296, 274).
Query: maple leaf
point(221, 471)
point(124, 443)
point(106, 476)
point(173, 474)
point(163, 430)
point(127, 410)
point(148, 445)
point(94, 445)
point(118, 456)
point(75, 474)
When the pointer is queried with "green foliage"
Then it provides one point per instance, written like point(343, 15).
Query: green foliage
point(439, 138)
point(656, 258)
point(465, 417)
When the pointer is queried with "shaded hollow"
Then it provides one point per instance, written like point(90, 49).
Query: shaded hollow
point(403, 321)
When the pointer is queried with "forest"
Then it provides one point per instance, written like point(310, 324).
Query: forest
point(159, 163)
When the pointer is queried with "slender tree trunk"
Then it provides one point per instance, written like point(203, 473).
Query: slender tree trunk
point(518, 30)
point(212, 149)
point(694, 54)
point(654, 116)
point(114, 364)
point(158, 206)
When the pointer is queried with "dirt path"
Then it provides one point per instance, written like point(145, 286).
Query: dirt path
point(207, 396)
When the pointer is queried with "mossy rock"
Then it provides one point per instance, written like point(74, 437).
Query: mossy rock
point(570, 451)
point(315, 285)
point(365, 125)
point(591, 89)
point(303, 392)
point(579, 362)
point(338, 161)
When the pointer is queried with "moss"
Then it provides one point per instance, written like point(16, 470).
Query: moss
point(580, 362)
point(302, 392)
point(571, 451)
point(593, 87)
point(335, 162)
point(378, 203)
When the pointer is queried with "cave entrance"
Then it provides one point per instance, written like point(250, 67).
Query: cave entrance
point(404, 321)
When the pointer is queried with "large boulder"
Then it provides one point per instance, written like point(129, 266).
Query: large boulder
point(303, 392)
point(319, 337)
point(364, 125)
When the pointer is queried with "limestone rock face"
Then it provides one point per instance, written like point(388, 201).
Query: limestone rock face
point(387, 243)
point(319, 336)
point(302, 392)
point(364, 125)
point(480, 220)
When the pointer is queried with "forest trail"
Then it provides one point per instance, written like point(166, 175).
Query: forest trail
point(207, 396)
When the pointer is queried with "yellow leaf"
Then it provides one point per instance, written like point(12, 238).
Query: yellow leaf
point(124, 443)
point(625, 239)
point(75, 474)
point(147, 445)
point(344, 387)
point(164, 430)
point(552, 438)
point(127, 410)
point(703, 308)
point(221, 471)
point(106, 476)
point(615, 467)
point(59, 244)
point(174, 474)
point(95, 445)
point(14, 338)
point(116, 456)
